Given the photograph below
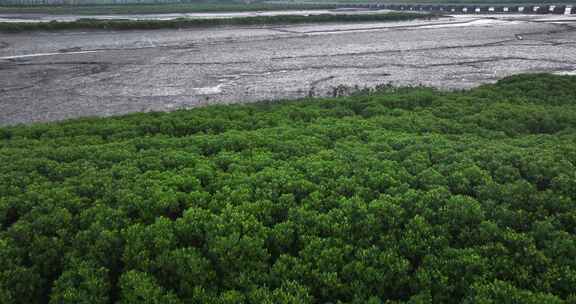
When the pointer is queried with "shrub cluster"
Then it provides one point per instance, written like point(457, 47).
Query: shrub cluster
point(398, 196)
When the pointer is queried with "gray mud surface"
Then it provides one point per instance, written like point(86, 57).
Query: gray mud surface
point(27, 17)
point(59, 75)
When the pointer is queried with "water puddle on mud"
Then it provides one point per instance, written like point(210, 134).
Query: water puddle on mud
point(208, 90)
point(46, 54)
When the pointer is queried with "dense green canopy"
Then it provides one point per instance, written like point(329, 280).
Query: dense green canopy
point(398, 196)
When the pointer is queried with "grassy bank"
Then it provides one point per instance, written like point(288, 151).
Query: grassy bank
point(397, 196)
point(157, 8)
point(189, 22)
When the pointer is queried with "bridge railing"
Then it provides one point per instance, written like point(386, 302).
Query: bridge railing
point(473, 9)
point(451, 9)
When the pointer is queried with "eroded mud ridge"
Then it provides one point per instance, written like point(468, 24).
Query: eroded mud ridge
point(55, 76)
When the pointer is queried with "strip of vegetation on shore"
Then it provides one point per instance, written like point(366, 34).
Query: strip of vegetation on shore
point(400, 195)
point(158, 8)
point(190, 22)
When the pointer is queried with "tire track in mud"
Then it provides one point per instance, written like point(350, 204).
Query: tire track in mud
point(384, 52)
point(417, 66)
point(400, 65)
point(206, 63)
point(323, 79)
point(378, 28)
point(11, 89)
point(45, 77)
point(98, 67)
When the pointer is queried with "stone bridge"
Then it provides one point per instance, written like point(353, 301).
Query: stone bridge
point(472, 9)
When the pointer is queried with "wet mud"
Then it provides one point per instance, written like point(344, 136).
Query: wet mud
point(53, 76)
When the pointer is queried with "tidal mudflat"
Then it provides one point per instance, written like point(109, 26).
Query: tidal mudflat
point(49, 76)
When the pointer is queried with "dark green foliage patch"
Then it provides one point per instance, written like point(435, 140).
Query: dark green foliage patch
point(399, 196)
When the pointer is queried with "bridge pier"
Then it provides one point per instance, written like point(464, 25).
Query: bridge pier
point(484, 9)
point(539, 10)
point(560, 9)
point(499, 9)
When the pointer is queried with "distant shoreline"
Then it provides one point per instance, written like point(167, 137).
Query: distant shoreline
point(192, 23)
point(119, 9)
